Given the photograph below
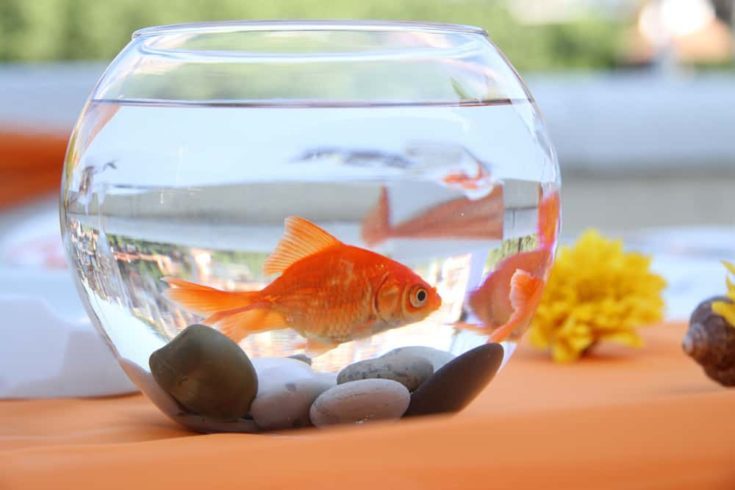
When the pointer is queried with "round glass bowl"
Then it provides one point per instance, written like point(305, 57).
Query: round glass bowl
point(280, 224)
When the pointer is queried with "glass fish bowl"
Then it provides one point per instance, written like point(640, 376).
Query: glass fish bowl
point(287, 224)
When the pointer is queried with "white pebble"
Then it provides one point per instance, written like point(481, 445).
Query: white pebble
point(286, 406)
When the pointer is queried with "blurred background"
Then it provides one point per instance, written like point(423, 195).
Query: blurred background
point(639, 95)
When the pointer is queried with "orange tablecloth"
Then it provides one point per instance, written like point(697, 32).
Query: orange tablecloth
point(645, 419)
point(30, 164)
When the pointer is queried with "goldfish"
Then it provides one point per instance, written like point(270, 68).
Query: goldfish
point(327, 291)
point(492, 301)
point(548, 222)
point(507, 300)
point(461, 218)
point(462, 180)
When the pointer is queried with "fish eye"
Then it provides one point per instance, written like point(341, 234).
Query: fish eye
point(418, 297)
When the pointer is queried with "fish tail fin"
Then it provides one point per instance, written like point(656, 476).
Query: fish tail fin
point(235, 313)
point(525, 295)
point(238, 323)
point(204, 299)
point(376, 225)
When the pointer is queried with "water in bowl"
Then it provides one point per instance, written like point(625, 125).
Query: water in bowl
point(201, 193)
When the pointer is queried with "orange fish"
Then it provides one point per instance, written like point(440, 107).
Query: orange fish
point(461, 179)
point(525, 296)
point(328, 292)
point(508, 298)
point(492, 302)
point(548, 222)
point(460, 218)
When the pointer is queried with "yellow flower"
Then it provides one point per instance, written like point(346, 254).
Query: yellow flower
point(596, 292)
point(722, 308)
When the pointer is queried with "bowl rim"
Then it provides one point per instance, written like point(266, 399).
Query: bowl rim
point(306, 25)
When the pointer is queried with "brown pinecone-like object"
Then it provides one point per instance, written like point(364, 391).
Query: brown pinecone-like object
point(711, 342)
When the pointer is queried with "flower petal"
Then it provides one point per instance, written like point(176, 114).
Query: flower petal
point(725, 310)
point(596, 291)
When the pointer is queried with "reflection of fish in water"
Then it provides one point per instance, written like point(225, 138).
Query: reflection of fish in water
point(507, 299)
point(461, 218)
point(358, 158)
point(548, 222)
point(86, 191)
point(329, 292)
point(482, 179)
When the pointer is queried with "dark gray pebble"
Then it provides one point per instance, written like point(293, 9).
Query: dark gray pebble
point(301, 357)
point(456, 384)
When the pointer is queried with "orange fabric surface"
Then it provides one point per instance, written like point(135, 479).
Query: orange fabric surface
point(30, 165)
point(644, 419)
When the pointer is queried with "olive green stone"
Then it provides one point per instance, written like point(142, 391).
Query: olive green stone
point(207, 373)
point(455, 385)
point(199, 423)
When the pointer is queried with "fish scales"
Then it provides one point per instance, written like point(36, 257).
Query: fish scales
point(328, 308)
point(327, 291)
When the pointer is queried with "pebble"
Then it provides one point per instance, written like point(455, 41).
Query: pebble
point(455, 385)
point(286, 405)
point(301, 357)
point(170, 407)
point(207, 425)
point(436, 357)
point(408, 369)
point(144, 380)
point(330, 378)
point(359, 402)
point(207, 373)
point(275, 372)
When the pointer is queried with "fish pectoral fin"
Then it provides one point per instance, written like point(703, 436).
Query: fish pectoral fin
point(525, 295)
point(238, 323)
point(301, 239)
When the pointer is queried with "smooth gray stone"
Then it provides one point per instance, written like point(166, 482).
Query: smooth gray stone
point(455, 385)
point(207, 373)
point(301, 357)
point(359, 402)
point(274, 372)
point(436, 357)
point(330, 378)
point(408, 369)
point(286, 406)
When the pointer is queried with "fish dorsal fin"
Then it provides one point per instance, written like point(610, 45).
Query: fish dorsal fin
point(301, 239)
